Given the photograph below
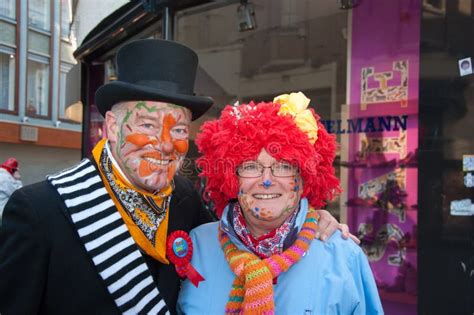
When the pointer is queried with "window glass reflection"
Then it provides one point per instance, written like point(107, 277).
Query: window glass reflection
point(38, 89)
point(39, 14)
point(7, 80)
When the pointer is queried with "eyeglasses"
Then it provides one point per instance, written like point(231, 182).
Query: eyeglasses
point(253, 169)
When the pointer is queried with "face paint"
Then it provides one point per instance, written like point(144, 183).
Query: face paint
point(296, 186)
point(143, 105)
point(168, 123)
point(267, 201)
point(152, 140)
point(181, 146)
point(140, 140)
point(267, 183)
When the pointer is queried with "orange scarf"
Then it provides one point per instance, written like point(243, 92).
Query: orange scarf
point(252, 289)
point(151, 213)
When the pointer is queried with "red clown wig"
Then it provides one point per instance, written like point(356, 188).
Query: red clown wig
point(243, 131)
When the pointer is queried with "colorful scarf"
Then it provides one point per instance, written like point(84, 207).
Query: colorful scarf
point(145, 215)
point(252, 289)
point(268, 244)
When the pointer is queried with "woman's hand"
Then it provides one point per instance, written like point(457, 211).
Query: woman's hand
point(328, 225)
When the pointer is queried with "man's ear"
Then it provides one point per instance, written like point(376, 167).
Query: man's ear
point(112, 127)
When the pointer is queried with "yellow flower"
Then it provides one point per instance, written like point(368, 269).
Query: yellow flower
point(296, 105)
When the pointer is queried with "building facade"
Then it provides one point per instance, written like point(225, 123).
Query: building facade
point(40, 123)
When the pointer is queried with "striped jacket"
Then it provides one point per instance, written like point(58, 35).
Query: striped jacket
point(64, 249)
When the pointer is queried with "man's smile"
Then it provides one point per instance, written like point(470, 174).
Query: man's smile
point(157, 162)
point(156, 158)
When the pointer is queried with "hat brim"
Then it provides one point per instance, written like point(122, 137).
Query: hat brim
point(118, 91)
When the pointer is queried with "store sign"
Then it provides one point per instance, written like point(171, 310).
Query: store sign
point(366, 124)
point(29, 133)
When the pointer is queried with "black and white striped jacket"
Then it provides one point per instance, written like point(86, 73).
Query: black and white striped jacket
point(77, 255)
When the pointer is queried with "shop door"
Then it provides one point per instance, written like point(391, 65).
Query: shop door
point(446, 159)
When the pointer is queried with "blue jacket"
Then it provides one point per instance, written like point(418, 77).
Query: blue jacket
point(333, 277)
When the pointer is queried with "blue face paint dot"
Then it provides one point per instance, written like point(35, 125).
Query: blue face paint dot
point(297, 188)
point(257, 209)
point(267, 183)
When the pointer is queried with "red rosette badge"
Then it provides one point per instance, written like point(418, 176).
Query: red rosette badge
point(179, 250)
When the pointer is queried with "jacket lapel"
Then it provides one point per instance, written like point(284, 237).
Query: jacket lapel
point(106, 238)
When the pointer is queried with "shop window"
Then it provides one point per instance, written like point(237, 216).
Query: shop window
point(39, 14)
point(7, 80)
point(66, 18)
point(7, 9)
point(289, 46)
point(37, 102)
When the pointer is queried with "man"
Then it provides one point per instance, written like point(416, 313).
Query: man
point(92, 239)
point(10, 180)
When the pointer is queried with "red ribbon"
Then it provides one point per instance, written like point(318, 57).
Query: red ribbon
point(179, 250)
point(193, 275)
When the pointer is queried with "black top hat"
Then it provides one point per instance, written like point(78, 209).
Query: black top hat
point(154, 70)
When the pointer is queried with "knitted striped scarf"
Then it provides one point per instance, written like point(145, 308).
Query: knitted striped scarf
point(252, 289)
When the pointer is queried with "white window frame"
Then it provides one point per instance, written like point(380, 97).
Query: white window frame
point(63, 71)
point(11, 78)
point(46, 61)
point(65, 34)
point(47, 12)
point(9, 5)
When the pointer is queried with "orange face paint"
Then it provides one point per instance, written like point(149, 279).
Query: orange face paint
point(171, 171)
point(140, 140)
point(181, 146)
point(145, 169)
point(168, 123)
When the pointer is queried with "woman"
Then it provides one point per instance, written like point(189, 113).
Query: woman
point(269, 165)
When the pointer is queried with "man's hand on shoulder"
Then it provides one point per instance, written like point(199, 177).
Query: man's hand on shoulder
point(328, 225)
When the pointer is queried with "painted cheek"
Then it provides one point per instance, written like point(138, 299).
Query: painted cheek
point(181, 146)
point(265, 214)
point(295, 185)
point(140, 140)
point(244, 200)
point(255, 211)
point(145, 168)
